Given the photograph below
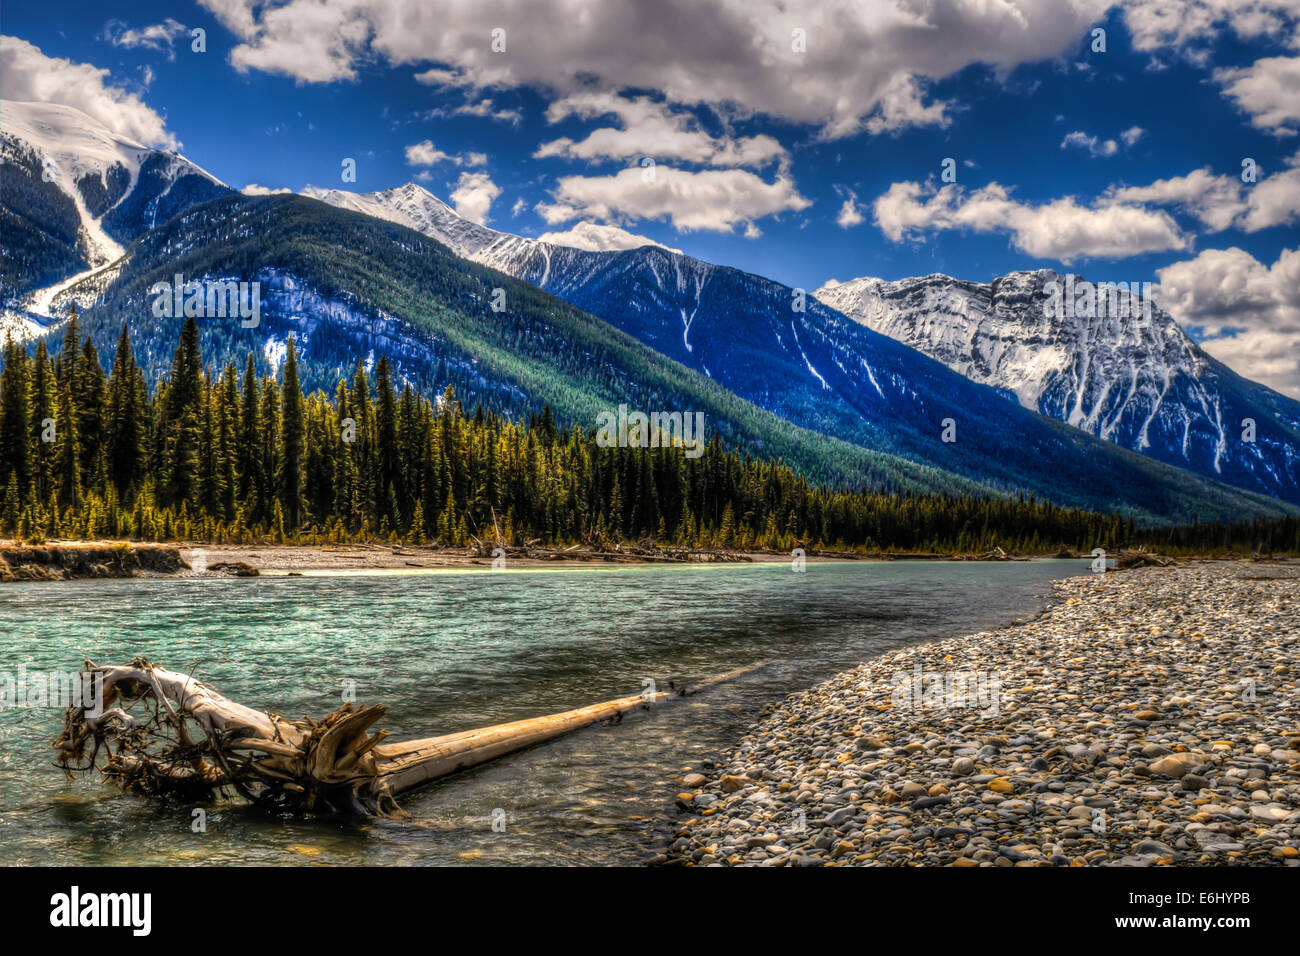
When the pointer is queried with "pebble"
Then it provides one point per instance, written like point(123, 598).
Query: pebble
point(1150, 717)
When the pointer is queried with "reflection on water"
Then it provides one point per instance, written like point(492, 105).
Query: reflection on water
point(448, 652)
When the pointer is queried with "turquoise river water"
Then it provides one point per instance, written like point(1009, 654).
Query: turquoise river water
point(449, 651)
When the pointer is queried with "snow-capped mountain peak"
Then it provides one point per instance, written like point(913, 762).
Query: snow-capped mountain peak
point(88, 192)
point(414, 206)
point(1112, 364)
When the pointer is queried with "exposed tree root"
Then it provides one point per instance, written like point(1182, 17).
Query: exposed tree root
point(187, 741)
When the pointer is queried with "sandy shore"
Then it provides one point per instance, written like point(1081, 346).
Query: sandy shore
point(276, 559)
point(1152, 717)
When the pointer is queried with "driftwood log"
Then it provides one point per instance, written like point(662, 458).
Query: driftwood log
point(161, 733)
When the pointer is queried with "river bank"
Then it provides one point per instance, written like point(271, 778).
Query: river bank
point(74, 560)
point(67, 560)
point(1151, 717)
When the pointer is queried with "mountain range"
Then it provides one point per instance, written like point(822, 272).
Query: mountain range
point(74, 193)
point(1130, 375)
point(1138, 383)
point(778, 372)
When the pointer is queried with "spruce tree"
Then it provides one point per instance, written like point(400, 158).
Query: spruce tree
point(15, 417)
point(292, 440)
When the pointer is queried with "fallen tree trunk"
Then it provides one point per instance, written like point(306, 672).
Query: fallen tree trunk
point(193, 743)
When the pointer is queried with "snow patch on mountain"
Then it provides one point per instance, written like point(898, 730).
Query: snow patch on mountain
point(416, 208)
point(1129, 375)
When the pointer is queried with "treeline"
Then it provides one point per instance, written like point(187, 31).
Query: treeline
point(231, 456)
point(1260, 536)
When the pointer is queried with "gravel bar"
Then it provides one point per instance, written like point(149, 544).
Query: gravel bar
point(1149, 718)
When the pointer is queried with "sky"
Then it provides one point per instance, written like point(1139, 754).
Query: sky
point(1153, 141)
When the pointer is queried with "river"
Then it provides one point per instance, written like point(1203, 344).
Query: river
point(447, 651)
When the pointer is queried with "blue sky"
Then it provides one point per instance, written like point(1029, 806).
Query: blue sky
point(803, 165)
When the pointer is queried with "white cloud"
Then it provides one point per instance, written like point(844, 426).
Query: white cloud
point(865, 65)
point(711, 199)
point(28, 75)
point(253, 189)
point(1185, 26)
point(1215, 200)
point(1250, 312)
point(482, 107)
point(1268, 91)
point(474, 195)
point(1223, 201)
point(1275, 199)
point(1061, 229)
point(850, 214)
point(1132, 135)
point(426, 154)
point(1093, 146)
point(650, 128)
point(600, 238)
point(159, 37)
point(901, 104)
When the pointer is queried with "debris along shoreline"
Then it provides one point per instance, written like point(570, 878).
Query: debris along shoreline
point(71, 562)
point(1152, 717)
point(77, 560)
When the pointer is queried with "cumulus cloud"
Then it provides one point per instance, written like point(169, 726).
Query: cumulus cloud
point(1268, 91)
point(1249, 311)
point(1061, 229)
point(1215, 200)
point(1222, 201)
point(1091, 144)
point(28, 75)
point(600, 238)
point(1275, 199)
point(1187, 26)
point(850, 213)
point(1132, 135)
point(253, 189)
point(742, 58)
point(1095, 146)
point(650, 128)
point(426, 154)
point(159, 37)
point(474, 195)
point(711, 199)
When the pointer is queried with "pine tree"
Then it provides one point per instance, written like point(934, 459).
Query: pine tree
point(292, 429)
point(67, 463)
point(181, 418)
point(125, 438)
point(15, 418)
point(44, 407)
